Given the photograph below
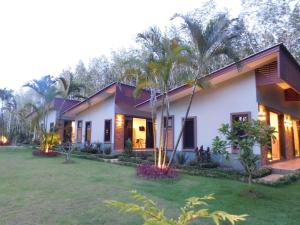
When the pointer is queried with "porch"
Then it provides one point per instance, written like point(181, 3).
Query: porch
point(289, 165)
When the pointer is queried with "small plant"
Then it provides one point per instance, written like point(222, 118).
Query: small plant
point(128, 148)
point(97, 146)
point(203, 156)
point(253, 132)
point(48, 140)
point(107, 150)
point(150, 171)
point(181, 158)
point(89, 148)
point(191, 212)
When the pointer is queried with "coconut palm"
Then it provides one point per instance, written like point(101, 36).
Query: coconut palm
point(47, 90)
point(69, 89)
point(211, 43)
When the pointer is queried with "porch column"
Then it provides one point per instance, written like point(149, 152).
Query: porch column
point(119, 132)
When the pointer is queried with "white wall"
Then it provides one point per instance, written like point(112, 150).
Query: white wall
point(97, 115)
point(213, 106)
point(50, 118)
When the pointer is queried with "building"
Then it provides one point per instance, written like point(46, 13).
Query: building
point(110, 117)
point(264, 86)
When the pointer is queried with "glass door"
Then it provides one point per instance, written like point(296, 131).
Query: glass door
point(274, 122)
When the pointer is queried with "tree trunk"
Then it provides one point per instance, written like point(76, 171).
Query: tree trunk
point(159, 160)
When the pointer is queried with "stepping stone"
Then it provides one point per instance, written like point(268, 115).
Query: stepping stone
point(271, 178)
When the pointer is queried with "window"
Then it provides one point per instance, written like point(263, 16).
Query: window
point(242, 117)
point(79, 131)
point(88, 131)
point(107, 131)
point(189, 134)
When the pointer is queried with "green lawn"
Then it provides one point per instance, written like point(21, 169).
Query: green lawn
point(45, 191)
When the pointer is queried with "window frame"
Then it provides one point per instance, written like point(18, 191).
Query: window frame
point(110, 131)
point(194, 118)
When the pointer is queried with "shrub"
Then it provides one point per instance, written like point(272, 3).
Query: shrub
point(189, 213)
point(128, 148)
point(107, 150)
point(203, 156)
point(142, 154)
point(181, 158)
point(90, 148)
point(262, 172)
point(125, 158)
point(150, 171)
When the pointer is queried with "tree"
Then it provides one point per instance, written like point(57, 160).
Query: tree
point(189, 213)
point(244, 136)
point(270, 22)
point(8, 107)
point(210, 42)
point(165, 56)
point(46, 89)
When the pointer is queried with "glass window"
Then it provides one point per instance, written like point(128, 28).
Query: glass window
point(107, 130)
point(189, 135)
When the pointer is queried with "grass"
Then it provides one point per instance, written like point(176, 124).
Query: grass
point(36, 190)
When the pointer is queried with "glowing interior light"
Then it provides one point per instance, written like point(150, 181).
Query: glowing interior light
point(3, 140)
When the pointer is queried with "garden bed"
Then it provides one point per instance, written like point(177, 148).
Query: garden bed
point(40, 153)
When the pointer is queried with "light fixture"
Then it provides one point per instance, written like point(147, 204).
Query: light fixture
point(119, 120)
point(261, 113)
point(287, 121)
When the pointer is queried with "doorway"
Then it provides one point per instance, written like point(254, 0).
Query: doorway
point(274, 122)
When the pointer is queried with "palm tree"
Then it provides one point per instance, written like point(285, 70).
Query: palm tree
point(46, 89)
point(211, 43)
point(70, 89)
point(8, 106)
point(164, 56)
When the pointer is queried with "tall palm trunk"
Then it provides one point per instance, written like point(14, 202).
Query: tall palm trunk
point(165, 146)
point(159, 160)
point(153, 116)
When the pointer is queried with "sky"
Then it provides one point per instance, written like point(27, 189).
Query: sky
point(40, 37)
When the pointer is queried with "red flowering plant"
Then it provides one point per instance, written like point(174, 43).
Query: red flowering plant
point(150, 171)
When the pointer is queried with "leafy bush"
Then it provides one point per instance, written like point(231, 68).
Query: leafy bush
point(150, 171)
point(181, 158)
point(189, 213)
point(244, 135)
point(48, 140)
point(125, 158)
point(128, 148)
point(203, 156)
point(107, 150)
point(142, 154)
point(262, 172)
point(89, 148)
